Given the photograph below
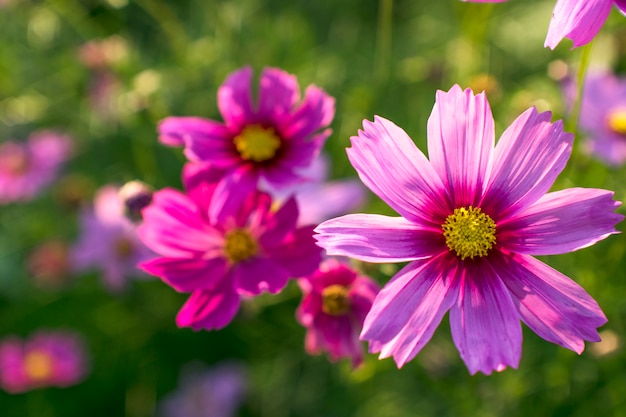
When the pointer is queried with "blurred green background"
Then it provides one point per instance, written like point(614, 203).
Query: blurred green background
point(375, 57)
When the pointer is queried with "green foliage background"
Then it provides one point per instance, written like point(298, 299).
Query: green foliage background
point(376, 57)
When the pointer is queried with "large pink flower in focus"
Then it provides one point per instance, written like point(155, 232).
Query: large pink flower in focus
point(274, 138)
point(47, 358)
point(221, 240)
point(26, 168)
point(578, 20)
point(335, 302)
point(472, 216)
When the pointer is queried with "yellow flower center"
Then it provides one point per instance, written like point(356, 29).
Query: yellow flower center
point(257, 143)
point(617, 121)
point(240, 245)
point(469, 232)
point(38, 365)
point(335, 300)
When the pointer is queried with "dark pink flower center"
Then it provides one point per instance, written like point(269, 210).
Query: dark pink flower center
point(38, 365)
point(257, 143)
point(240, 245)
point(336, 300)
point(469, 232)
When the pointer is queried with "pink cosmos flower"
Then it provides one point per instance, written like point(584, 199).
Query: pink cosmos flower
point(215, 392)
point(472, 216)
point(603, 115)
point(109, 241)
point(578, 20)
point(48, 358)
point(335, 303)
point(319, 199)
point(274, 138)
point(26, 168)
point(221, 240)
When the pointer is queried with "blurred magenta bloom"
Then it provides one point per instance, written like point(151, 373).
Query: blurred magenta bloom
point(472, 216)
point(335, 303)
point(109, 241)
point(215, 392)
point(221, 240)
point(47, 358)
point(319, 199)
point(275, 138)
point(26, 168)
point(603, 115)
point(578, 20)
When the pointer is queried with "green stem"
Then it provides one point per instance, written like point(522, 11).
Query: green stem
point(383, 39)
point(572, 125)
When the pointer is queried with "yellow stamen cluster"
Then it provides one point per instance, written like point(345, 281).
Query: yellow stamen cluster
point(469, 232)
point(617, 121)
point(240, 245)
point(335, 300)
point(38, 365)
point(257, 143)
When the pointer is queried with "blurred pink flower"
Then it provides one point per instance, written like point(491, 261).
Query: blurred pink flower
point(108, 241)
point(214, 392)
point(26, 168)
point(335, 302)
point(472, 216)
point(47, 358)
point(578, 20)
point(603, 115)
point(319, 199)
point(275, 138)
point(221, 240)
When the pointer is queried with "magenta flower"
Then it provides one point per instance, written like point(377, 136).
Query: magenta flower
point(578, 20)
point(274, 139)
point(603, 116)
point(109, 241)
point(221, 240)
point(319, 199)
point(26, 168)
point(335, 303)
point(215, 392)
point(48, 358)
point(472, 216)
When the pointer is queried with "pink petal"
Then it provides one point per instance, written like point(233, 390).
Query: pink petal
point(376, 238)
point(187, 275)
point(409, 308)
point(209, 310)
point(234, 99)
point(172, 227)
point(298, 253)
point(621, 5)
point(551, 304)
point(257, 275)
point(460, 142)
point(578, 20)
point(278, 93)
point(323, 201)
point(314, 113)
point(485, 325)
point(561, 222)
point(340, 337)
point(200, 181)
point(178, 131)
point(276, 227)
point(231, 195)
point(527, 159)
point(389, 164)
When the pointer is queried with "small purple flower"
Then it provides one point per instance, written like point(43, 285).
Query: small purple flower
point(221, 240)
point(274, 138)
point(472, 217)
point(108, 241)
point(578, 20)
point(603, 115)
point(215, 392)
point(47, 358)
point(26, 168)
point(335, 303)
